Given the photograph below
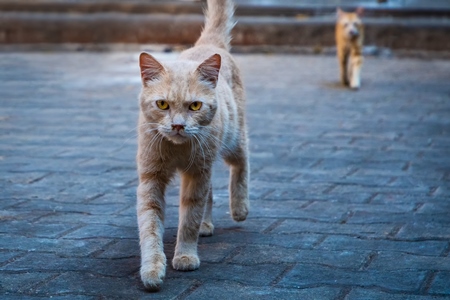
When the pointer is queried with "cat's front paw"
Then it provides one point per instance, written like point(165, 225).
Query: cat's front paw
point(152, 274)
point(354, 86)
point(239, 211)
point(186, 262)
point(355, 83)
point(206, 229)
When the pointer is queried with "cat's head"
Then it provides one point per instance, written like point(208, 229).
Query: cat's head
point(178, 99)
point(350, 23)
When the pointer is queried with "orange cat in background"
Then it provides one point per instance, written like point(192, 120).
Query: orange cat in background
point(349, 43)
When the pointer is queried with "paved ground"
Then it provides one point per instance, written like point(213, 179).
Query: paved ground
point(350, 191)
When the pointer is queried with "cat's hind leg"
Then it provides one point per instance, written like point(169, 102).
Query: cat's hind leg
point(194, 193)
point(207, 227)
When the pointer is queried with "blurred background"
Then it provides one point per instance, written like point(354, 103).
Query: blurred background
point(263, 25)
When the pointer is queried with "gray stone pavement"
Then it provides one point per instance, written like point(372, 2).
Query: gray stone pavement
point(350, 191)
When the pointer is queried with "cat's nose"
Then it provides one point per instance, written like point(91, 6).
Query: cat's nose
point(354, 33)
point(177, 127)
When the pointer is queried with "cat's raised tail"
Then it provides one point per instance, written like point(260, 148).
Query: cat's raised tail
point(218, 24)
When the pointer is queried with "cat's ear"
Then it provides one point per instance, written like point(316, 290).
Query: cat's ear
point(339, 12)
point(360, 11)
point(151, 69)
point(209, 69)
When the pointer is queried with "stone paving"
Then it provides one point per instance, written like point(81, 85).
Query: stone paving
point(350, 191)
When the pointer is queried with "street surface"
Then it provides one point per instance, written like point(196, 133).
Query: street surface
point(350, 191)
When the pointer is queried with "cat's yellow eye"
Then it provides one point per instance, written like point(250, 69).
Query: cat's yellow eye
point(162, 104)
point(196, 105)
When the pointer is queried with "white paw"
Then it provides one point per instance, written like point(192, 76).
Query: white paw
point(186, 262)
point(354, 86)
point(152, 274)
point(355, 83)
point(206, 229)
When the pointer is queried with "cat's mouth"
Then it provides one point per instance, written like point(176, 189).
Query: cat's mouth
point(177, 137)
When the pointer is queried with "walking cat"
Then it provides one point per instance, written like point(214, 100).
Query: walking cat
point(349, 43)
point(191, 111)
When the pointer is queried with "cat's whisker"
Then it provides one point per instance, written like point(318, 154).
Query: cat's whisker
point(135, 129)
point(208, 146)
point(205, 144)
point(160, 143)
point(154, 139)
point(191, 157)
point(136, 134)
point(201, 148)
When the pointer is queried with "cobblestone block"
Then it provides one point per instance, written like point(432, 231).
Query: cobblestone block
point(18, 283)
point(239, 291)
point(440, 284)
point(121, 249)
point(429, 230)
point(359, 293)
point(78, 218)
point(76, 206)
point(5, 256)
point(398, 197)
point(254, 275)
point(295, 241)
point(273, 254)
point(27, 229)
point(435, 207)
point(403, 261)
point(63, 247)
point(373, 217)
point(7, 203)
point(27, 297)
point(103, 231)
point(291, 226)
point(339, 242)
point(126, 195)
point(52, 263)
point(10, 215)
point(303, 275)
point(281, 209)
point(208, 253)
point(111, 287)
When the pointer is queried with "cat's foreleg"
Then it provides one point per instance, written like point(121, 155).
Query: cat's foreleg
point(207, 227)
point(194, 192)
point(238, 187)
point(356, 61)
point(150, 215)
point(343, 65)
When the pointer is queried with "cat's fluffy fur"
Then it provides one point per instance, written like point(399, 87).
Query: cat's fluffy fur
point(174, 135)
point(349, 43)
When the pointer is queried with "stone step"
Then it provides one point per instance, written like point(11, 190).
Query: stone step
point(286, 8)
point(274, 23)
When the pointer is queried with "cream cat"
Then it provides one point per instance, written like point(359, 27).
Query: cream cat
point(191, 111)
point(349, 43)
